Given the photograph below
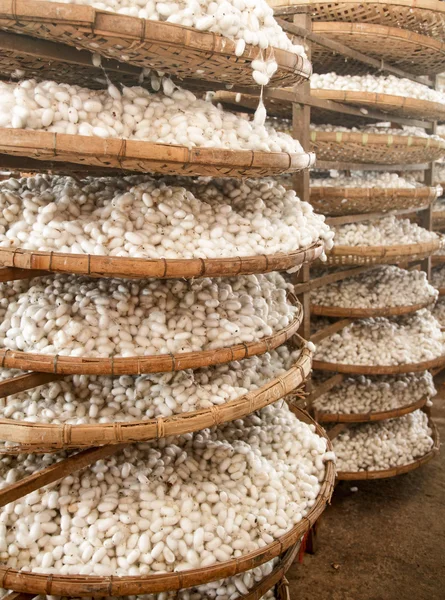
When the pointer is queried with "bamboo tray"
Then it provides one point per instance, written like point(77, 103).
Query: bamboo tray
point(46, 437)
point(78, 585)
point(159, 363)
point(383, 474)
point(397, 106)
point(183, 51)
point(423, 16)
point(438, 218)
point(161, 268)
point(324, 417)
point(380, 255)
point(364, 313)
point(412, 52)
point(378, 369)
point(358, 147)
point(330, 200)
point(146, 157)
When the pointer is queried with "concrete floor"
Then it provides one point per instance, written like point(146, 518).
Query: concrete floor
point(384, 542)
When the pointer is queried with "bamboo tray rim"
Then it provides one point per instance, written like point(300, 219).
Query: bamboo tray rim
point(382, 251)
point(381, 30)
point(371, 416)
point(378, 369)
point(23, 581)
point(400, 470)
point(374, 139)
point(164, 268)
point(110, 24)
point(50, 436)
point(159, 363)
point(427, 107)
point(323, 191)
point(386, 311)
point(45, 145)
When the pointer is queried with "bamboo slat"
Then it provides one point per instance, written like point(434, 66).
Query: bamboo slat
point(383, 474)
point(380, 255)
point(337, 201)
point(363, 313)
point(394, 106)
point(423, 16)
point(144, 157)
point(161, 46)
point(412, 52)
point(47, 437)
point(78, 585)
point(378, 369)
point(325, 417)
point(161, 268)
point(361, 147)
point(162, 363)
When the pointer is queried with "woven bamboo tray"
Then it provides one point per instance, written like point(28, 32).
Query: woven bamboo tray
point(330, 200)
point(412, 52)
point(397, 106)
point(439, 218)
point(380, 255)
point(78, 585)
point(161, 46)
point(45, 437)
point(324, 417)
point(365, 475)
point(364, 313)
point(161, 268)
point(378, 369)
point(358, 147)
point(423, 16)
point(147, 156)
point(160, 363)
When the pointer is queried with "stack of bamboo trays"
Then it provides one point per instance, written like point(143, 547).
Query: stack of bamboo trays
point(50, 40)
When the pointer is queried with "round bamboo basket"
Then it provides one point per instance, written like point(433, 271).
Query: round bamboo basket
point(159, 363)
point(161, 268)
point(46, 437)
point(78, 585)
point(438, 259)
point(183, 51)
point(383, 474)
point(423, 16)
point(324, 417)
point(364, 313)
point(397, 106)
point(331, 200)
point(131, 155)
point(378, 369)
point(358, 147)
point(439, 219)
point(380, 255)
point(412, 52)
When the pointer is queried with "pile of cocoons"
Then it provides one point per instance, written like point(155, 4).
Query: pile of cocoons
point(173, 117)
point(80, 399)
point(409, 339)
point(384, 444)
point(363, 395)
point(382, 84)
point(438, 276)
point(439, 311)
point(364, 179)
point(406, 130)
point(81, 316)
point(244, 21)
point(140, 217)
point(176, 504)
point(384, 286)
point(388, 231)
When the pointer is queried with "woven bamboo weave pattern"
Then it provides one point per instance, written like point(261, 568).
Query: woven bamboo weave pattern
point(417, 54)
point(161, 46)
point(78, 585)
